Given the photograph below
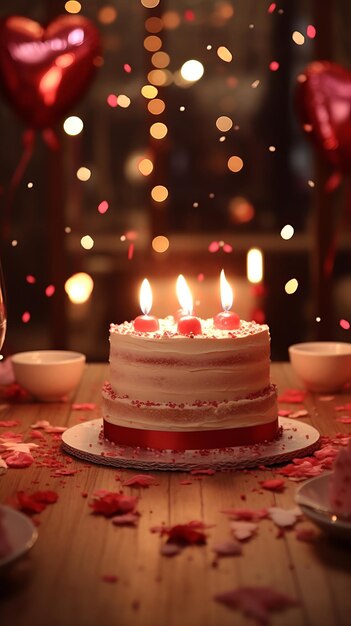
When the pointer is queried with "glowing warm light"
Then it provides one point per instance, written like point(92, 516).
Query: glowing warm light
point(241, 210)
point(298, 38)
point(79, 287)
point(311, 183)
point(255, 84)
point(224, 123)
point(171, 20)
point(311, 31)
point(192, 70)
point(145, 297)
point(158, 130)
point(272, 148)
point(160, 59)
point(150, 4)
point(112, 100)
point(103, 207)
point(235, 164)
point(254, 264)
point(156, 106)
point(73, 125)
point(154, 24)
point(345, 324)
point(160, 243)
point(87, 242)
point(145, 167)
point(224, 54)
point(318, 319)
point(25, 317)
point(159, 193)
point(184, 296)
point(149, 91)
point(152, 43)
point(123, 101)
point(73, 7)
point(226, 293)
point(159, 77)
point(30, 185)
point(287, 232)
point(83, 173)
point(274, 66)
point(107, 14)
point(291, 286)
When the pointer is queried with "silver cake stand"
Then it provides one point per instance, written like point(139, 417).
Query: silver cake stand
point(85, 441)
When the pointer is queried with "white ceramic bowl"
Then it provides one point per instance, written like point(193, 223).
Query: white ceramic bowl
point(48, 375)
point(322, 366)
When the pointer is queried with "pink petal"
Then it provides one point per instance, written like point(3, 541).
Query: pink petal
point(274, 484)
point(255, 602)
point(127, 519)
point(297, 414)
point(40, 424)
point(19, 459)
point(170, 549)
point(227, 548)
point(284, 518)
point(9, 423)
point(140, 480)
point(84, 406)
point(344, 419)
point(207, 471)
point(284, 413)
point(243, 530)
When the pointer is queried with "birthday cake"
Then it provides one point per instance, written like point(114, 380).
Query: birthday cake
point(340, 483)
point(168, 390)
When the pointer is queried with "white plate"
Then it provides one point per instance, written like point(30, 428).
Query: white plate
point(313, 498)
point(20, 531)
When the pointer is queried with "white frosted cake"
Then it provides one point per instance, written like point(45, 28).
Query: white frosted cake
point(167, 390)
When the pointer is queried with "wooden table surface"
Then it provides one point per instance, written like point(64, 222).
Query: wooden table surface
point(61, 581)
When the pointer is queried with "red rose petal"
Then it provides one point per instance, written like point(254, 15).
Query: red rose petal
point(19, 459)
point(256, 602)
point(273, 484)
point(109, 578)
point(111, 503)
point(9, 423)
point(207, 471)
point(140, 480)
point(83, 406)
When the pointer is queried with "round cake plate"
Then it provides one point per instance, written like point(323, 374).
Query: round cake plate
point(86, 442)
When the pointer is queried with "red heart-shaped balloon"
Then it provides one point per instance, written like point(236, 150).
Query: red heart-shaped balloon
point(44, 71)
point(324, 106)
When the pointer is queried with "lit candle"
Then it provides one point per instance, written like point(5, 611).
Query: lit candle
point(255, 277)
point(146, 323)
point(226, 320)
point(188, 324)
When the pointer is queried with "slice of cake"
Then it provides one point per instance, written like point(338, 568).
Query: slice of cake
point(167, 390)
point(340, 483)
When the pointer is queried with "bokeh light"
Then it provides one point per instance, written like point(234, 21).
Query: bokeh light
point(83, 173)
point(145, 167)
point(79, 287)
point(87, 242)
point(241, 210)
point(156, 106)
point(158, 130)
point(103, 207)
point(160, 78)
point(112, 100)
point(298, 38)
point(287, 232)
point(160, 59)
point(171, 20)
point(123, 101)
point(149, 91)
point(192, 70)
point(291, 286)
point(152, 43)
point(73, 125)
point(107, 14)
point(345, 324)
point(72, 6)
point(224, 123)
point(224, 54)
point(235, 164)
point(150, 4)
point(159, 193)
point(160, 243)
point(154, 24)
point(254, 265)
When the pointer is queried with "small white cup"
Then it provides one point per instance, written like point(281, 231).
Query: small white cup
point(322, 366)
point(48, 375)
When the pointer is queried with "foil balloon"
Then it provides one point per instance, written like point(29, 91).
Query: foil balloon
point(324, 106)
point(45, 71)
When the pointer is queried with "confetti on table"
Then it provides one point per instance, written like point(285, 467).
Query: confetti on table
point(109, 503)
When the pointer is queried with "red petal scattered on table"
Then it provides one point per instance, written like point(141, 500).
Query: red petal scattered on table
point(84, 406)
point(41, 424)
point(344, 407)
point(284, 518)
point(46, 497)
point(19, 459)
point(284, 412)
point(64, 472)
point(256, 602)
point(185, 482)
point(292, 396)
point(243, 530)
point(36, 434)
point(10, 436)
point(227, 548)
point(9, 423)
point(127, 519)
point(297, 414)
point(273, 484)
point(55, 429)
point(207, 471)
point(111, 503)
point(140, 480)
point(247, 515)
point(187, 534)
point(28, 504)
point(344, 419)
point(109, 578)
point(306, 534)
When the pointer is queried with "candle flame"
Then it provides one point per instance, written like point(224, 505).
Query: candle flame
point(254, 265)
point(184, 295)
point(145, 297)
point(226, 293)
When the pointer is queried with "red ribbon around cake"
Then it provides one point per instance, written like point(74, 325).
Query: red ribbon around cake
point(190, 440)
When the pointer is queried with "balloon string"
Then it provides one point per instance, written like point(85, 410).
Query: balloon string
point(28, 140)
